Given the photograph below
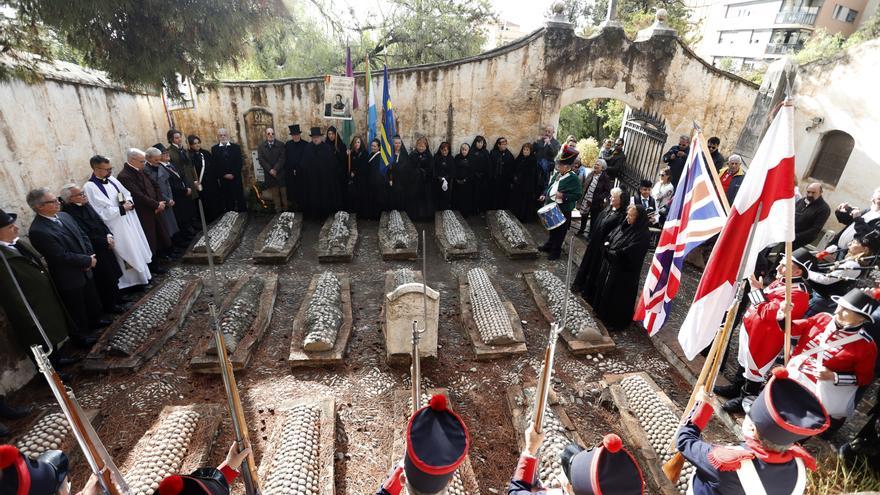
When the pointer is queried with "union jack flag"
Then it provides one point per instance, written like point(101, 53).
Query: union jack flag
point(695, 215)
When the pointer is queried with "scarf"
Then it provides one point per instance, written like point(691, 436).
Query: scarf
point(101, 183)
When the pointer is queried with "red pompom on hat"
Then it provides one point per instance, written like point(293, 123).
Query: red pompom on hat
point(780, 373)
point(438, 402)
point(172, 485)
point(612, 442)
point(875, 292)
point(8, 456)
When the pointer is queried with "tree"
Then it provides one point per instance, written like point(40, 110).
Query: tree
point(599, 118)
point(141, 43)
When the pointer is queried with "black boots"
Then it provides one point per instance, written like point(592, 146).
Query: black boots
point(747, 395)
point(8, 411)
point(732, 390)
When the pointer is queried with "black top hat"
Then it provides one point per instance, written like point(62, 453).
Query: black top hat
point(43, 474)
point(202, 481)
point(436, 444)
point(161, 147)
point(859, 301)
point(316, 131)
point(608, 468)
point(870, 240)
point(786, 411)
point(803, 258)
point(569, 153)
point(7, 218)
point(646, 183)
point(294, 129)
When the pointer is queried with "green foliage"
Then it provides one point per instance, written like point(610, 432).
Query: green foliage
point(611, 112)
point(594, 119)
point(589, 150)
point(824, 46)
point(639, 14)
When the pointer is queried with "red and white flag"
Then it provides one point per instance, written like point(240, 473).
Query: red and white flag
point(768, 183)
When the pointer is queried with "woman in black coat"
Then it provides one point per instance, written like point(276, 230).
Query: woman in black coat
point(501, 163)
point(441, 187)
point(479, 161)
point(420, 161)
point(340, 153)
point(606, 221)
point(360, 176)
point(378, 183)
point(208, 176)
point(402, 178)
point(525, 185)
point(617, 286)
point(463, 186)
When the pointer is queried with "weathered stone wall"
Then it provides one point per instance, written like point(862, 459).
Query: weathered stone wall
point(511, 91)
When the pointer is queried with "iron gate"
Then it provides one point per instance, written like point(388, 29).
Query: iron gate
point(644, 135)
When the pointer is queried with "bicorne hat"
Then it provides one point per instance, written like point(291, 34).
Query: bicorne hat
point(316, 131)
point(294, 129)
point(569, 154)
point(436, 444)
point(786, 411)
point(7, 218)
point(608, 468)
point(859, 301)
point(202, 481)
point(24, 476)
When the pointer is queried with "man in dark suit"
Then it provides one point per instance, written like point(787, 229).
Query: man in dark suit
point(148, 203)
point(293, 173)
point(107, 270)
point(646, 201)
point(810, 214)
point(228, 159)
point(271, 157)
point(70, 257)
point(676, 157)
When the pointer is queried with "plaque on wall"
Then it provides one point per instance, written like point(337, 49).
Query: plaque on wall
point(256, 121)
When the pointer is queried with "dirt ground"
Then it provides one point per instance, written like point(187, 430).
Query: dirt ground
point(363, 387)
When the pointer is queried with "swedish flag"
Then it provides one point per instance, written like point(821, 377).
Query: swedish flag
point(388, 129)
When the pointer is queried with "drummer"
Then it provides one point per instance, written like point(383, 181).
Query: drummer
point(563, 191)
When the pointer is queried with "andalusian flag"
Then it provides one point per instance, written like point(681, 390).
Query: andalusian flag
point(388, 129)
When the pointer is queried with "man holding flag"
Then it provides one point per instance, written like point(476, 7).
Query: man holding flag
point(696, 214)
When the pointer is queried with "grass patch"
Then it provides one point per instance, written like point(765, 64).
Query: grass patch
point(833, 476)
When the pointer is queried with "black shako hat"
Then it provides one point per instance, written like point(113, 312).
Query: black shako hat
point(316, 131)
point(608, 468)
point(202, 481)
point(569, 154)
point(294, 129)
point(7, 218)
point(803, 258)
point(24, 476)
point(437, 443)
point(786, 411)
point(860, 301)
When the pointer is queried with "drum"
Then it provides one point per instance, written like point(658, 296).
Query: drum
point(551, 216)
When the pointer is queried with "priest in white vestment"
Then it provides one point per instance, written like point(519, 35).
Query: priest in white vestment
point(114, 204)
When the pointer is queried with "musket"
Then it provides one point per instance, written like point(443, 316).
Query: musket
point(416, 369)
point(236, 411)
point(542, 390)
point(99, 460)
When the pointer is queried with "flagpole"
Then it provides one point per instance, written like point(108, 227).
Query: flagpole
point(712, 171)
point(712, 365)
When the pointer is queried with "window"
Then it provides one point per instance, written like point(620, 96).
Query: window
point(834, 151)
point(844, 14)
point(737, 11)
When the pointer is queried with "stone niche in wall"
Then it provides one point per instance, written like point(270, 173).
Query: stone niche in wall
point(256, 121)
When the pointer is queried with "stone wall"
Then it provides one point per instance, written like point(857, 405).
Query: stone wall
point(510, 91)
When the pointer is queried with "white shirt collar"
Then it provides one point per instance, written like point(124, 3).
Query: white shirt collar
point(9, 244)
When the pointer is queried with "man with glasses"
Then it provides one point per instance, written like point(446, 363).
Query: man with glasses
point(148, 203)
point(717, 158)
point(70, 257)
point(113, 203)
point(676, 158)
point(614, 165)
point(271, 157)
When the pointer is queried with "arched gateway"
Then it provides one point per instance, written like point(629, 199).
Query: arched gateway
point(511, 91)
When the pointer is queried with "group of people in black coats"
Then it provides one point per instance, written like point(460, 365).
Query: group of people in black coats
point(324, 175)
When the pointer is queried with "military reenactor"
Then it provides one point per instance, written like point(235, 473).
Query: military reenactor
point(770, 461)
point(762, 334)
point(207, 480)
point(608, 468)
point(21, 475)
point(437, 443)
point(835, 354)
point(564, 190)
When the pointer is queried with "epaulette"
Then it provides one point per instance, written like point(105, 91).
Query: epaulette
point(724, 458)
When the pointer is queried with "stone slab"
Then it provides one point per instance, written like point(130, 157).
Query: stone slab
point(325, 254)
point(326, 450)
point(470, 251)
point(298, 356)
point(201, 449)
point(577, 253)
point(398, 341)
point(282, 256)
point(575, 345)
point(528, 252)
point(386, 247)
point(99, 360)
point(205, 356)
point(226, 248)
point(464, 477)
point(68, 443)
point(482, 350)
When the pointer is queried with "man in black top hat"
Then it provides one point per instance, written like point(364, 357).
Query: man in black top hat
point(45, 475)
point(229, 161)
point(437, 443)
point(770, 460)
point(294, 175)
point(323, 195)
point(607, 468)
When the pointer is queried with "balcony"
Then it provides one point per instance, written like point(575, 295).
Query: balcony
point(783, 48)
point(796, 17)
